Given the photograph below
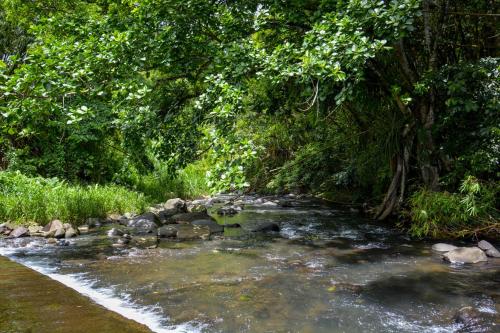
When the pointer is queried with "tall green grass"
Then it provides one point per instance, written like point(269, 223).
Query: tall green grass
point(24, 200)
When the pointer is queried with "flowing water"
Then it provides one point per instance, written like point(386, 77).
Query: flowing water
point(327, 270)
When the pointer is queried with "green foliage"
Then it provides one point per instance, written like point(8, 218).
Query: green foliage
point(439, 214)
point(40, 200)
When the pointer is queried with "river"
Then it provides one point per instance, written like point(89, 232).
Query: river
point(327, 270)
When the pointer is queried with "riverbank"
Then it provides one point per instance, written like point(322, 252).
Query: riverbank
point(32, 302)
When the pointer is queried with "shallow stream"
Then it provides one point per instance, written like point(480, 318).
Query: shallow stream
point(327, 270)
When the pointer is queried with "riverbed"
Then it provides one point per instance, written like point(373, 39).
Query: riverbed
point(328, 269)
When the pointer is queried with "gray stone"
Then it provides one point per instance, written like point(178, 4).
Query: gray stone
point(189, 232)
point(485, 245)
point(443, 247)
point(165, 214)
point(19, 232)
point(48, 234)
point(211, 224)
point(51, 241)
point(53, 225)
point(70, 233)
point(60, 233)
point(465, 255)
point(66, 226)
point(265, 227)
point(176, 204)
point(229, 210)
point(196, 208)
point(115, 232)
point(189, 217)
point(143, 224)
point(494, 253)
point(168, 231)
point(4, 228)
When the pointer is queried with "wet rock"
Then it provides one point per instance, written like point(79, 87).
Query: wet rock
point(19, 232)
point(59, 233)
point(145, 241)
point(489, 249)
point(168, 231)
point(143, 224)
point(49, 234)
point(62, 242)
point(229, 210)
point(265, 227)
point(115, 232)
point(35, 230)
point(269, 204)
point(469, 317)
point(192, 232)
point(176, 204)
point(443, 247)
point(465, 255)
point(53, 225)
point(51, 241)
point(196, 208)
point(83, 229)
point(211, 224)
point(189, 217)
point(70, 233)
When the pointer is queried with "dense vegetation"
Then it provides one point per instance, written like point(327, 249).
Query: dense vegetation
point(390, 103)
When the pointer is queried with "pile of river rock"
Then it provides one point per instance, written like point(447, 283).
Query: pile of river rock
point(467, 255)
point(175, 219)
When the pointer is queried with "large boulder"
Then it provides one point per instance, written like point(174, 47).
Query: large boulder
point(143, 224)
point(211, 224)
point(465, 255)
point(53, 225)
point(489, 249)
point(442, 247)
point(19, 232)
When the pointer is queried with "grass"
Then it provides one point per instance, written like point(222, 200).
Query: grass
point(25, 200)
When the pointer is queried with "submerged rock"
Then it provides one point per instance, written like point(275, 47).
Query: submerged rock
point(229, 210)
point(465, 255)
point(469, 317)
point(264, 227)
point(489, 249)
point(192, 232)
point(443, 247)
point(168, 231)
point(189, 217)
point(19, 232)
point(146, 241)
point(211, 224)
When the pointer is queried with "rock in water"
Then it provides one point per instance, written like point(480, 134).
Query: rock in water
point(189, 217)
point(465, 255)
point(53, 225)
point(60, 233)
point(168, 231)
point(70, 233)
point(443, 247)
point(265, 226)
point(468, 317)
point(19, 232)
point(489, 249)
point(143, 224)
point(212, 225)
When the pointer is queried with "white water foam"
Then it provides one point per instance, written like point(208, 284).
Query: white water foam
point(105, 297)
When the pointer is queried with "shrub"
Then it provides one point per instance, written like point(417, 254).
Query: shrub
point(439, 214)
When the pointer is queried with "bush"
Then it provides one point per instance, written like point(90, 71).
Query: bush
point(439, 214)
point(24, 199)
